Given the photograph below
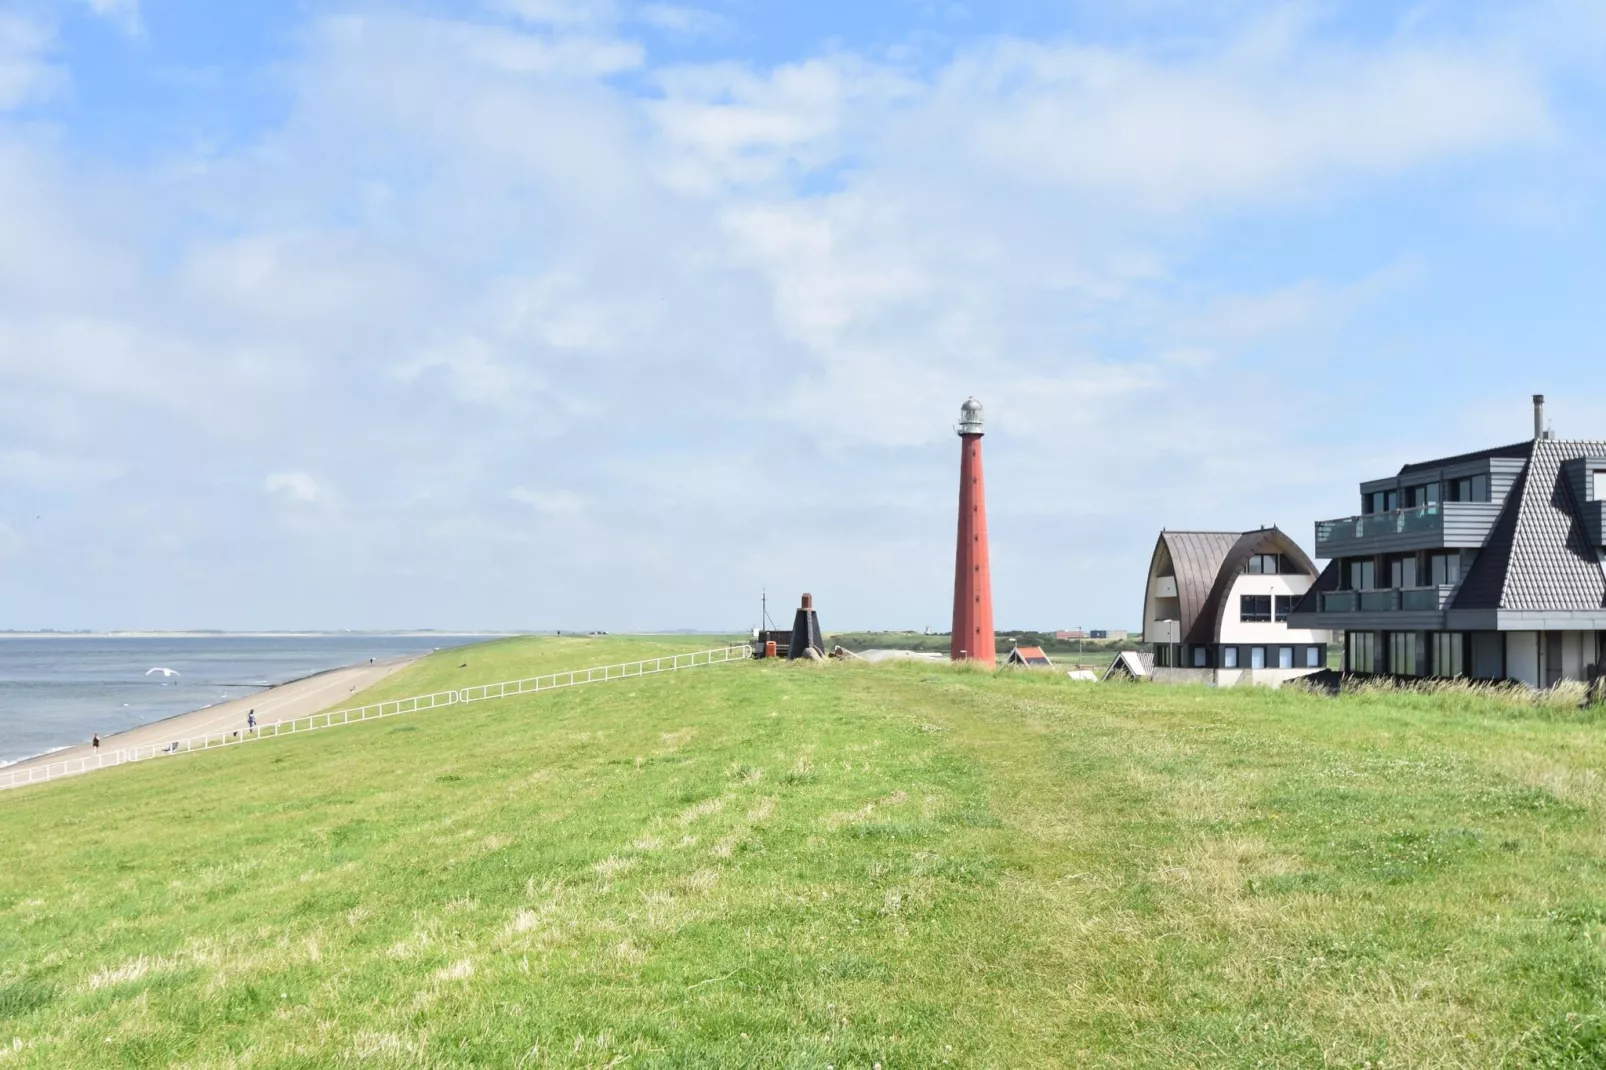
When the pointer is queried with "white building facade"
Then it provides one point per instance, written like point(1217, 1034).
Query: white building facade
point(1217, 604)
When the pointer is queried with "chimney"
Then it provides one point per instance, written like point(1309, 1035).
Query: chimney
point(1539, 416)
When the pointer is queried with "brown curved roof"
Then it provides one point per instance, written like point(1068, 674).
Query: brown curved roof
point(1207, 626)
point(1197, 558)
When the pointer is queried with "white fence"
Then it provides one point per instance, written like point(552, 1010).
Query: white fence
point(33, 774)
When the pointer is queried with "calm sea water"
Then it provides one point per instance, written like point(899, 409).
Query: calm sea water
point(56, 692)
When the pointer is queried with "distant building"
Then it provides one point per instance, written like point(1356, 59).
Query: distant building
point(1217, 604)
point(1075, 633)
point(1485, 565)
point(1131, 665)
point(1029, 656)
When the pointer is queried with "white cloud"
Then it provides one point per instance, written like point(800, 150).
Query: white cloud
point(27, 73)
point(53, 473)
point(11, 543)
point(565, 14)
point(1262, 121)
point(683, 21)
point(737, 310)
point(296, 487)
point(550, 503)
point(722, 124)
point(124, 12)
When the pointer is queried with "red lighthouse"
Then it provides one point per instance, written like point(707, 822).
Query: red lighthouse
point(973, 579)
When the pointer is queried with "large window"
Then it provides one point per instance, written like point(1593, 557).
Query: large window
point(1313, 657)
point(1468, 489)
point(1229, 657)
point(1448, 653)
point(1257, 657)
point(1445, 569)
point(1254, 608)
point(1402, 653)
point(1426, 494)
point(1266, 564)
point(1285, 657)
point(1380, 501)
point(1283, 605)
point(1198, 657)
point(1402, 571)
point(1362, 575)
point(1362, 651)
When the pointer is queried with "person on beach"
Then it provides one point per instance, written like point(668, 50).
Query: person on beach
point(95, 742)
point(251, 719)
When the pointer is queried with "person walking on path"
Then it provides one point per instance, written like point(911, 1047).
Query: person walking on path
point(95, 742)
point(251, 719)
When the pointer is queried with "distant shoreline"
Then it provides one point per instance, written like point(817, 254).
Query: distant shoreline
point(301, 695)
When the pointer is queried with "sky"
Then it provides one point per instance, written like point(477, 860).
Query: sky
point(604, 314)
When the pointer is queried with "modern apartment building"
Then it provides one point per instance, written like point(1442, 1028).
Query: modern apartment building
point(1485, 565)
point(1217, 603)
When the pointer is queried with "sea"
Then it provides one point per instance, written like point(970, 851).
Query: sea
point(59, 690)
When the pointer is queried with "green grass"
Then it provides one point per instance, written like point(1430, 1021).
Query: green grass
point(779, 864)
point(1065, 653)
point(526, 656)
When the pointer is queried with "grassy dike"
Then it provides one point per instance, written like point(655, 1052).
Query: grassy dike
point(825, 865)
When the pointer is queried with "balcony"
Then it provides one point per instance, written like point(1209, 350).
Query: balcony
point(1447, 525)
point(1340, 601)
point(1418, 600)
point(1163, 631)
point(1165, 587)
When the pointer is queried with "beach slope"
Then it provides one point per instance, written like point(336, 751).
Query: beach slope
point(283, 703)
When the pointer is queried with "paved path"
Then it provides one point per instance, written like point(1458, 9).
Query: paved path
point(283, 703)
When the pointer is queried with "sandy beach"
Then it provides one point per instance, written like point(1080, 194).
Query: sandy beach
point(283, 703)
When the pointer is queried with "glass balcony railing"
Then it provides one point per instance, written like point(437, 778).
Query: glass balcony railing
point(1399, 522)
point(1388, 600)
point(1423, 599)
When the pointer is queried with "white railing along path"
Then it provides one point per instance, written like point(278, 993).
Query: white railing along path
point(33, 774)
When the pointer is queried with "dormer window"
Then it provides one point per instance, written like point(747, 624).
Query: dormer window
point(1468, 489)
point(1265, 565)
point(1418, 496)
point(1600, 486)
point(1380, 501)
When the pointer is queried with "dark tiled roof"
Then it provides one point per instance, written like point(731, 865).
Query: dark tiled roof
point(1311, 600)
point(1197, 557)
point(1486, 579)
point(1517, 450)
point(1549, 561)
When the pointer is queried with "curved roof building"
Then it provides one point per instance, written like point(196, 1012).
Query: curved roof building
point(1218, 601)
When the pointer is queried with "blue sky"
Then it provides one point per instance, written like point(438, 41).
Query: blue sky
point(606, 314)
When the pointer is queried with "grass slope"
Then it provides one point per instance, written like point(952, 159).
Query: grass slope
point(826, 865)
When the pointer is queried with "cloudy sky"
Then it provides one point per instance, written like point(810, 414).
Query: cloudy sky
point(608, 314)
